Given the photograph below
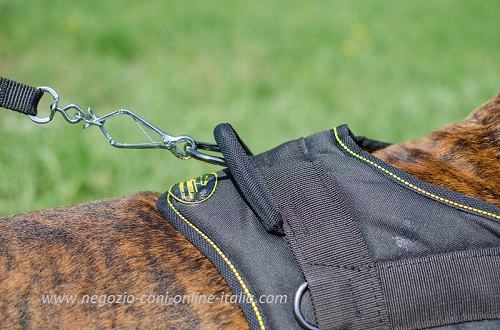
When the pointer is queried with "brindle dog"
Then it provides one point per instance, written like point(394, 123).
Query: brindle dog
point(123, 246)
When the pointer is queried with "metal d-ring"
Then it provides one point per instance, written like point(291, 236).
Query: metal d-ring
point(296, 308)
point(193, 152)
point(53, 106)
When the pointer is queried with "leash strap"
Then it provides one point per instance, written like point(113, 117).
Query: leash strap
point(19, 97)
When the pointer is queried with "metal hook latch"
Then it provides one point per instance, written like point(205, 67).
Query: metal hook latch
point(182, 146)
point(168, 141)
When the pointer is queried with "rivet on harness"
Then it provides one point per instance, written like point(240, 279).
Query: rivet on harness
point(378, 248)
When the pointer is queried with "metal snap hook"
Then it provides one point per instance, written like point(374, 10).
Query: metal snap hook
point(182, 146)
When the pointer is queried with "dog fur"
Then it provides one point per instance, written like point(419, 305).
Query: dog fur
point(124, 245)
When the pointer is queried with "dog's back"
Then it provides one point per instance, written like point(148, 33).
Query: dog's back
point(124, 248)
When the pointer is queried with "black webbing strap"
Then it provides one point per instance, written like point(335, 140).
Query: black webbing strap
point(19, 97)
point(342, 278)
point(442, 289)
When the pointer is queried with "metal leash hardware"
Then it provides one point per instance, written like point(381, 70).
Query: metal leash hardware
point(182, 146)
point(296, 308)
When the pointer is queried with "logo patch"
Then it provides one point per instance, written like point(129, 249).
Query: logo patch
point(195, 190)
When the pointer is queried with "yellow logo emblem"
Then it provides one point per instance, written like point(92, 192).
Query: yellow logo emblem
point(195, 190)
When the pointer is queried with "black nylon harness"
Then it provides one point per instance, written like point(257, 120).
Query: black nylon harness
point(378, 248)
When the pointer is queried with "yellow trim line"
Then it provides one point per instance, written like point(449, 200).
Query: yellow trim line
point(412, 186)
point(226, 260)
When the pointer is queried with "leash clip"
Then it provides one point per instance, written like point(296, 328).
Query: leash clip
point(182, 146)
point(169, 142)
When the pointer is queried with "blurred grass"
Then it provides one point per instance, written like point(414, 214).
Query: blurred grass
point(278, 70)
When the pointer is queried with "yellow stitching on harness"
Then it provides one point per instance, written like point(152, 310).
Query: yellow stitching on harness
point(412, 186)
point(226, 260)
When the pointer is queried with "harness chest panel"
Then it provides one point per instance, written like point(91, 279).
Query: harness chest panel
point(378, 248)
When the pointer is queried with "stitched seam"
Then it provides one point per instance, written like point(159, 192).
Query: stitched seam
point(432, 261)
point(226, 260)
point(357, 312)
point(453, 316)
point(406, 262)
point(345, 267)
point(446, 319)
point(414, 187)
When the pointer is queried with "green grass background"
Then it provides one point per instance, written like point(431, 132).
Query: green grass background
point(276, 70)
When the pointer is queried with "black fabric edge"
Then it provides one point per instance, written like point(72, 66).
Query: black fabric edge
point(255, 322)
point(368, 144)
point(345, 135)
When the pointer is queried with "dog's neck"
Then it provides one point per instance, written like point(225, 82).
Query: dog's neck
point(464, 156)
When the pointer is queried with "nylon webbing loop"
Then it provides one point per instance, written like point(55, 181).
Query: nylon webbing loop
point(19, 97)
point(340, 271)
